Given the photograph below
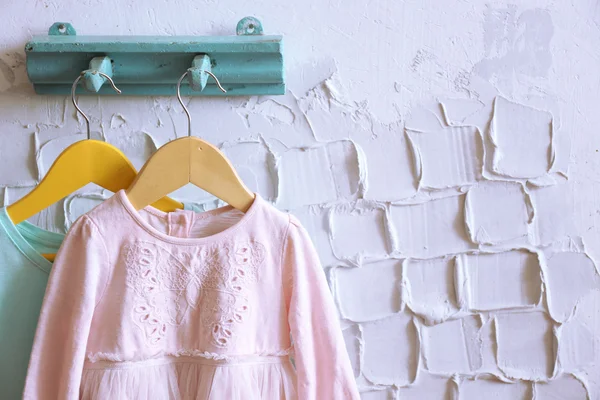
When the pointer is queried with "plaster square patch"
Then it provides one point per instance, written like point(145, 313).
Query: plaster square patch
point(453, 346)
point(578, 337)
point(369, 292)
point(316, 175)
point(496, 212)
point(352, 338)
point(428, 386)
point(554, 213)
point(358, 232)
point(256, 165)
point(448, 157)
point(494, 389)
point(393, 177)
point(522, 139)
point(137, 146)
point(525, 345)
point(382, 394)
point(315, 221)
point(566, 387)
point(391, 351)
point(50, 149)
point(431, 229)
point(77, 204)
point(18, 157)
point(51, 218)
point(431, 291)
point(569, 278)
point(501, 280)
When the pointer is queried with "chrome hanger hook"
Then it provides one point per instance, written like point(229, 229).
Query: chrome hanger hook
point(74, 87)
point(187, 112)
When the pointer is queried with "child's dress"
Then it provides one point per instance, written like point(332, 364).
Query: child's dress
point(139, 307)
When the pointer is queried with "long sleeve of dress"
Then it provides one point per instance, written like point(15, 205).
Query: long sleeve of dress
point(322, 364)
point(77, 280)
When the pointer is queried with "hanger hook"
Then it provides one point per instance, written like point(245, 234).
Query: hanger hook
point(187, 112)
point(87, 120)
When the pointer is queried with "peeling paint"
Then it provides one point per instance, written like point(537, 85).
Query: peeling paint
point(275, 112)
point(117, 121)
point(516, 42)
point(457, 111)
point(9, 76)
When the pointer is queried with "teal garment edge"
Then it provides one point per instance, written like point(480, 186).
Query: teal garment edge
point(24, 275)
point(43, 241)
point(31, 240)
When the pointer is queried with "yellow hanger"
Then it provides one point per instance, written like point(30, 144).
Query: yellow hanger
point(86, 161)
point(189, 160)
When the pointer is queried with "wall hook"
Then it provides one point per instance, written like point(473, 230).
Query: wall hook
point(93, 81)
point(197, 74)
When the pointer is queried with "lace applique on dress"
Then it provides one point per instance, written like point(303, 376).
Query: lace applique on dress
point(168, 284)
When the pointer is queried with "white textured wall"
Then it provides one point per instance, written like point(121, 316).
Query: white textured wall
point(443, 154)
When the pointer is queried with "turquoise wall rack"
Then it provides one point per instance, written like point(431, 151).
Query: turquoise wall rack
point(248, 63)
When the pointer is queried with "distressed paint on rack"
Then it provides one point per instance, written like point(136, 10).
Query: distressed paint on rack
point(478, 282)
point(246, 64)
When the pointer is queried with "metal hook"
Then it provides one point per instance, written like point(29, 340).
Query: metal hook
point(189, 117)
point(87, 120)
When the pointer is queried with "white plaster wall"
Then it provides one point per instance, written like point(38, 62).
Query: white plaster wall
point(443, 154)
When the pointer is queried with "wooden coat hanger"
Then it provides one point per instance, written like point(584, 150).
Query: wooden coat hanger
point(86, 161)
point(189, 160)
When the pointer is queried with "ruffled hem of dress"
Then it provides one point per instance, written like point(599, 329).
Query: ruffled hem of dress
point(191, 380)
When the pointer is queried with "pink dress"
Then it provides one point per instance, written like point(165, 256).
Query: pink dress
point(188, 305)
